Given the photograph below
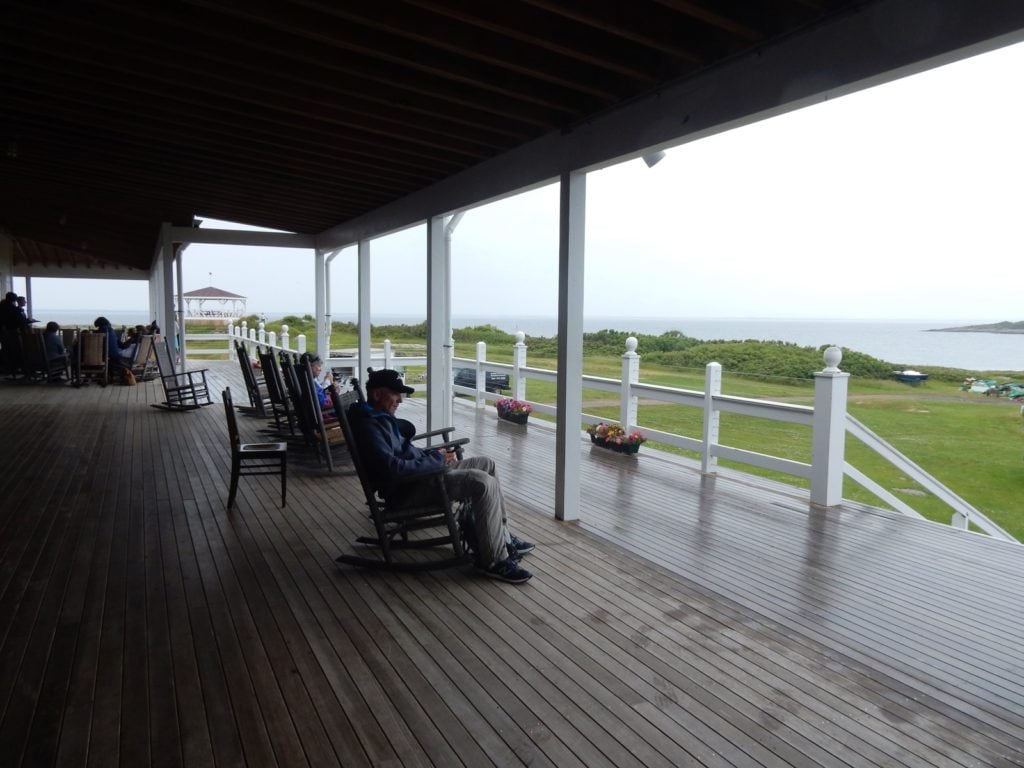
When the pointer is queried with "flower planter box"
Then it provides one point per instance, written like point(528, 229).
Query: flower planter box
point(515, 418)
point(627, 448)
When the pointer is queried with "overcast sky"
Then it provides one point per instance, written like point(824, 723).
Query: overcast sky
point(902, 201)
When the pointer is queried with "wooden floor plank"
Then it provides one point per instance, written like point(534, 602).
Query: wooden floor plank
point(683, 620)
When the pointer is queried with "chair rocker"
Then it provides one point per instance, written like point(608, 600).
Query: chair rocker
point(91, 358)
point(324, 429)
point(393, 523)
point(183, 391)
point(253, 458)
point(143, 365)
point(257, 402)
point(280, 408)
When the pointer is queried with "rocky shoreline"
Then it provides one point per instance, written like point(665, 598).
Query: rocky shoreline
point(1003, 327)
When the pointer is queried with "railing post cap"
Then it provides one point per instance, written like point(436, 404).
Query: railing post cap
point(631, 344)
point(284, 329)
point(833, 356)
point(520, 337)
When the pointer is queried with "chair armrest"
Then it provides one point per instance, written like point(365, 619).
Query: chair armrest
point(444, 431)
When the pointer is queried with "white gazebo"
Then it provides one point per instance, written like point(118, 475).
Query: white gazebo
point(213, 304)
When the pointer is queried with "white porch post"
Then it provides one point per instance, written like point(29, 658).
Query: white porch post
point(481, 375)
point(518, 363)
point(829, 440)
point(364, 309)
point(180, 316)
point(439, 397)
point(6, 263)
point(712, 417)
point(320, 286)
point(28, 297)
point(572, 212)
point(167, 283)
point(630, 376)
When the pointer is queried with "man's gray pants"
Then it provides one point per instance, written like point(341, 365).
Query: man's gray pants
point(475, 480)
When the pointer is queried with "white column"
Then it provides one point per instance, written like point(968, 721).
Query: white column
point(285, 340)
point(518, 363)
point(300, 343)
point(630, 376)
point(481, 375)
point(364, 309)
point(261, 332)
point(6, 264)
point(572, 214)
point(320, 287)
point(438, 326)
point(712, 417)
point(387, 353)
point(167, 284)
point(829, 440)
point(28, 297)
point(180, 317)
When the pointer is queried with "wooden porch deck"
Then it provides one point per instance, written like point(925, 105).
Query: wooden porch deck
point(683, 621)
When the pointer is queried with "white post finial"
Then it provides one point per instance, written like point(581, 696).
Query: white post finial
point(833, 356)
point(284, 337)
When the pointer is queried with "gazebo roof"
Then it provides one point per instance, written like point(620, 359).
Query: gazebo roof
point(211, 293)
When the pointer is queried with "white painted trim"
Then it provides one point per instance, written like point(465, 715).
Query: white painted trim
point(571, 246)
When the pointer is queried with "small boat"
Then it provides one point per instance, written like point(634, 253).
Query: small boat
point(909, 376)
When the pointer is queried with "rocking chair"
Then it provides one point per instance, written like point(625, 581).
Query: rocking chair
point(393, 523)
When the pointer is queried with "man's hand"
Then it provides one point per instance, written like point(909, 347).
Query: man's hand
point(449, 458)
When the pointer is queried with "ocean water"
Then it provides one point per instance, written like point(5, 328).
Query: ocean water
point(904, 343)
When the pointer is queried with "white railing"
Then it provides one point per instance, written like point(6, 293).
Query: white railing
point(384, 357)
point(261, 337)
point(827, 419)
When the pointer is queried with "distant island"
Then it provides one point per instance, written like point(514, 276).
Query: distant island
point(1004, 327)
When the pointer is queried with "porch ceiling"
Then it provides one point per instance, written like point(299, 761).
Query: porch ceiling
point(303, 115)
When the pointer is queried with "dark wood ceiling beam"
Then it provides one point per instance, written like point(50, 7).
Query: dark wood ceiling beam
point(355, 74)
point(319, 164)
point(135, 156)
point(129, 190)
point(374, 46)
point(131, 104)
point(483, 44)
point(552, 33)
point(100, 42)
point(628, 23)
point(702, 12)
point(239, 100)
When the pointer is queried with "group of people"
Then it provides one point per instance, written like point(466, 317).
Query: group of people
point(121, 348)
point(13, 315)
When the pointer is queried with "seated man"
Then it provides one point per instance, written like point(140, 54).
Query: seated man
point(389, 455)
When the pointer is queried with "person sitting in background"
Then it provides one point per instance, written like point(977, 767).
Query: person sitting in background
point(56, 353)
point(54, 343)
point(316, 367)
point(115, 353)
point(391, 457)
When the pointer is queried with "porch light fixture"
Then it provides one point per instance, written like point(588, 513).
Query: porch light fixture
point(654, 158)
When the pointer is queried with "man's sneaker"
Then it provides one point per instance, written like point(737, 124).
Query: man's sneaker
point(517, 547)
point(507, 570)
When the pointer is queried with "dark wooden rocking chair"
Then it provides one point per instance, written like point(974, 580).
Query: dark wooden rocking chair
point(183, 391)
point(253, 458)
point(393, 524)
